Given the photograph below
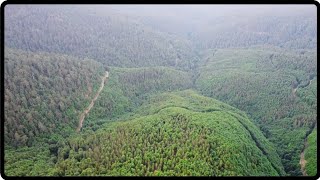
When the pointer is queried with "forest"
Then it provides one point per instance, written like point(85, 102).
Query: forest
point(276, 94)
point(167, 90)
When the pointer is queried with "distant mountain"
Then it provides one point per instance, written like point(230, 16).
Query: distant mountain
point(109, 37)
point(218, 26)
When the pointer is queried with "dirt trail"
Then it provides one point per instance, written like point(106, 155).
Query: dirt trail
point(294, 90)
point(303, 162)
point(87, 110)
point(89, 92)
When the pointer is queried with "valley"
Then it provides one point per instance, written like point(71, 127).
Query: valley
point(87, 110)
point(294, 90)
point(160, 90)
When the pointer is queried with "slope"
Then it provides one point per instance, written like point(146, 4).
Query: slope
point(166, 138)
point(87, 110)
point(106, 36)
point(45, 93)
point(310, 154)
point(128, 87)
point(219, 26)
point(261, 81)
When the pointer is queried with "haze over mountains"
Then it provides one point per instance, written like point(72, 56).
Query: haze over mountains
point(216, 90)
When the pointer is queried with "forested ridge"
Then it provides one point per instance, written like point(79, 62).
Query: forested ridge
point(171, 141)
point(128, 87)
point(208, 27)
point(44, 92)
point(191, 91)
point(112, 39)
point(261, 83)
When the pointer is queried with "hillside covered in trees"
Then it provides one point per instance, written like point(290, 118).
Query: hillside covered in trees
point(112, 39)
point(218, 26)
point(272, 86)
point(168, 90)
point(172, 138)
point(45, 92)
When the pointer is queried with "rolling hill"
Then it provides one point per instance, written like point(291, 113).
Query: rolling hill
point(160, 90)
point(276, 88)
point(182, 134)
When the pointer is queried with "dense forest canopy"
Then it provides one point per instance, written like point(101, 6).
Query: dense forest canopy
point(44, 91)
point(263, 82)
point(160, 90)
point(222, 26)
point(111, 39)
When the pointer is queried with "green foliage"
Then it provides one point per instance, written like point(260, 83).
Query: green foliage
point(126, 89)
point(213, 26)
point(311, 154)
point(142, 123)
point(112, 39)
point(290, 30)
point(44, 91)
point(28, 161)
point(272, 86)
point(175, 141)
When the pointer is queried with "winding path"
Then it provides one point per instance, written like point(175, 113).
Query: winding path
point(303, 161)
point(87, 110)
point(294, 90)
